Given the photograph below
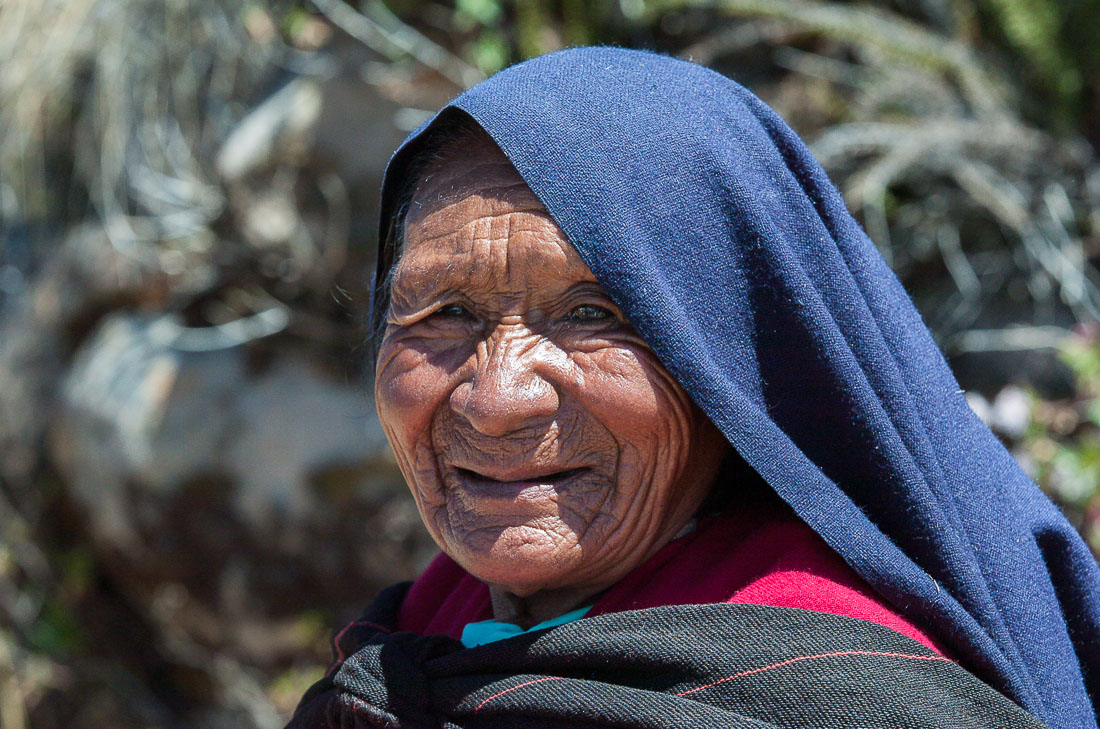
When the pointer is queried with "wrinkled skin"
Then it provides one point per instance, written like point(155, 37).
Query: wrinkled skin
point(548, 450)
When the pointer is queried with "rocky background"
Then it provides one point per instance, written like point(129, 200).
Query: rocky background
point(193, 488)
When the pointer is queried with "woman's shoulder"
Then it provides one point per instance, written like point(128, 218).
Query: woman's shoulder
point(762, 557)
point(443, 600)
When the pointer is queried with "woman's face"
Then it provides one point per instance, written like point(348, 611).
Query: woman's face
point(545, 445)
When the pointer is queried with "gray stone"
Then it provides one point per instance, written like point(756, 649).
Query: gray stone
point(256, 492)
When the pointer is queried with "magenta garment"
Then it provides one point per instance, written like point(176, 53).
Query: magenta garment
point(761, 556)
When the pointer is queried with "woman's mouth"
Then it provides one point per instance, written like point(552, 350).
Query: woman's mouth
point(513, 485)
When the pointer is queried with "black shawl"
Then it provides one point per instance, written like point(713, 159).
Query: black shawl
point(723, 665)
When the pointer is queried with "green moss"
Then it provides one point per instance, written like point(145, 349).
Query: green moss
point(57, 632)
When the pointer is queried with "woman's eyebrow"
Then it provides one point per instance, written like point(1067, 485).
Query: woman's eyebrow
point(588, 286)
point(426, 281)
point(417, 297)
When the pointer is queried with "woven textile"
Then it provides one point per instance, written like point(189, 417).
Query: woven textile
point(708, 666)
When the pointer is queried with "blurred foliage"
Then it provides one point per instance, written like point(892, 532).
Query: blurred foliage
point(1061, 447)
point(963, 133)
point(1057, 42)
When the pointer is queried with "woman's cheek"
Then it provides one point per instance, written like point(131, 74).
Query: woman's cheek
point(408, 385)
point(648, 413)
point(619, 388)
point(408, 391)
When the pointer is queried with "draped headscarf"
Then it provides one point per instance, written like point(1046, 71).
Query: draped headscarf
point(711, 225)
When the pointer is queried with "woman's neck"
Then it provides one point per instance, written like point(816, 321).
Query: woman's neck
point(526, 612)
point(530, 610)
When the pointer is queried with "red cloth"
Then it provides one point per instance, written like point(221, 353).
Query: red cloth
point(776, 560)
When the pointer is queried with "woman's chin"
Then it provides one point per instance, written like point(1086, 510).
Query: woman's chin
point(522, 560)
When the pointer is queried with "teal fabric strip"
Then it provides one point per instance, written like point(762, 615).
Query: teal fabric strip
point(490, 631)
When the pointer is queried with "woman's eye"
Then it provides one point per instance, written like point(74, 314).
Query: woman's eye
point(452, 311)
point(589, 313)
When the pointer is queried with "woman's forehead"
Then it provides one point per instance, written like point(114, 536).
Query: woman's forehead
point(481, 170)
point(476, 220)
point(484, 242)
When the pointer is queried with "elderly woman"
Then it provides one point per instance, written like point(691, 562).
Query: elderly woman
point(690, 454)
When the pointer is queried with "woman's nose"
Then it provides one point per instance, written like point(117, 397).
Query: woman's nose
point(506, 393)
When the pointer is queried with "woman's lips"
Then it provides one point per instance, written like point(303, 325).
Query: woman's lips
point(513, 486)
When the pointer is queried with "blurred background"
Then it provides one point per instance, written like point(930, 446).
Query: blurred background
point(193, 488)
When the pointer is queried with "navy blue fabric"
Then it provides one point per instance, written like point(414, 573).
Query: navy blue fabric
point(713, 227)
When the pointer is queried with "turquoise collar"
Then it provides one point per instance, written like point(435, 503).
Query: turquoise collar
point(490, 631)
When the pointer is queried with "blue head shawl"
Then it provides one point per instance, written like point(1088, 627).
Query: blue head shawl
point(720, 237)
